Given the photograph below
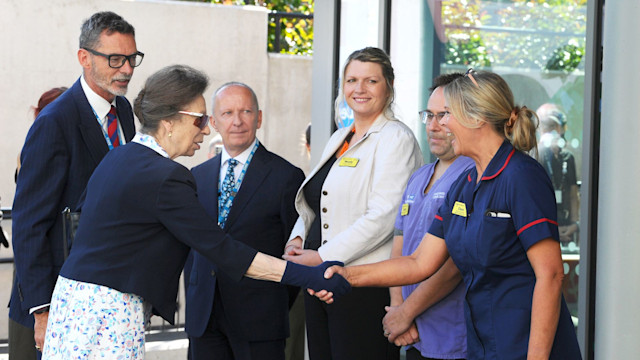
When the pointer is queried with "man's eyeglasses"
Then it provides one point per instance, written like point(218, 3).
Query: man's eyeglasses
point(469, 74)
point(201, 119)
point(116, 61)
point(427, 116)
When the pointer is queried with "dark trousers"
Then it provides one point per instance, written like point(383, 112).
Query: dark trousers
point(294, 349)
point(350, 328)
point(22, 346)
point(219, 343)
point(414, 354)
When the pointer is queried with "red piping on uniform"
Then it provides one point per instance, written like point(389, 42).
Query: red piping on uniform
point(438, 217)
point(502, 168)
point(534, 223)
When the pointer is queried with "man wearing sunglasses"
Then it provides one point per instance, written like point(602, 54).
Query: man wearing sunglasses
point(251, 192)
point(65, 144)
point(428, 316)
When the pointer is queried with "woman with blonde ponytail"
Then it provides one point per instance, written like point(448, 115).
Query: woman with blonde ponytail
point(498, 223)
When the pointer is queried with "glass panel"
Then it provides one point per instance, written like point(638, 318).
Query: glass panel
point(360, 28)
point(538, 47)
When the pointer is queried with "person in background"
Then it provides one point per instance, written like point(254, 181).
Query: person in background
point(560, 164)
point(21, 338)
point(46, 98)
point(498, 224)
point(140, 216)
point(215, 146)
point(429, 316)
point(347, 205)
point(66, 142)
point(247, 319)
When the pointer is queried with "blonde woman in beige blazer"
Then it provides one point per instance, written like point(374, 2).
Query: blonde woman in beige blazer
point(347, 208)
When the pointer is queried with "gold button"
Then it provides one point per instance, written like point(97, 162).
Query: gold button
point(326, 226)
point(324, 210)
point(213, 273)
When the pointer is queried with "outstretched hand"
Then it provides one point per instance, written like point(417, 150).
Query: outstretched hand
point(313, 278)
point(325, 295)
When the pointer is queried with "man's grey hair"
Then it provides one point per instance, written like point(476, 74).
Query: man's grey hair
point(99, 22)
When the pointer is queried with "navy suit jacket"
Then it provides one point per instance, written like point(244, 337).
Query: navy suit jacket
point(262, 216)
point(139, 218)
point(63, 147)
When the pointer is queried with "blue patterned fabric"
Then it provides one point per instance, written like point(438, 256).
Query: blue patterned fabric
point(228, 184)
point(93, 321)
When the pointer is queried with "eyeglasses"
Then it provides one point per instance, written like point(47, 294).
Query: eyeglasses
point(201, 119)
point(427, 116)
point(117, 61)
point(469, 74)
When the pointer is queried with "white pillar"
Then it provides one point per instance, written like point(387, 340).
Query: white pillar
point(617, 314)
point(325, 18)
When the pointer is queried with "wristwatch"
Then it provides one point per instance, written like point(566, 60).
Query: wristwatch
point(42, 310)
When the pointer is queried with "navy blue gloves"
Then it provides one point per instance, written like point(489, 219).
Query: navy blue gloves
point(308, 277)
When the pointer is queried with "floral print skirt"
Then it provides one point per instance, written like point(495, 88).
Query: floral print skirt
point(89, 321)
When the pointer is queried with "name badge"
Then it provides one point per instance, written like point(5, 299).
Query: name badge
point(348, 162)
point(460, 209)
point(404, 211)
point(558, 196)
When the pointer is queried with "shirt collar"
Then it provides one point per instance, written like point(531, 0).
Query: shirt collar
point(100, 106)
point(242, 157)
point(150, 142)
point(497, 164)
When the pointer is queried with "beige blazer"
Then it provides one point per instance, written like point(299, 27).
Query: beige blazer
point(359, 204)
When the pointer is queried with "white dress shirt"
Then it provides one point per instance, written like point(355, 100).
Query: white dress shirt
point(101, 107)
point(241, 158)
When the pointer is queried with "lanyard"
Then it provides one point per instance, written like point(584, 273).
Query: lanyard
point(104, 133)
point(223, 209)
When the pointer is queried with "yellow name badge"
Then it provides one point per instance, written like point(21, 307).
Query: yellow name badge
point(404, 211)
point(460, 209)
point(349, 162)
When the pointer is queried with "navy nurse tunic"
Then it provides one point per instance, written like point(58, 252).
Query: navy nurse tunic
point(488, 227)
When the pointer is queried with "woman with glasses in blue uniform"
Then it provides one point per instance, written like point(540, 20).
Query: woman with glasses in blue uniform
point(498, 224)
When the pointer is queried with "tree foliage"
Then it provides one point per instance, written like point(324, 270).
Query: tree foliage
point(545, 35)
point(296, 35)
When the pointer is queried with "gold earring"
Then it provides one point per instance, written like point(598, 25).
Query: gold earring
point(169, 133)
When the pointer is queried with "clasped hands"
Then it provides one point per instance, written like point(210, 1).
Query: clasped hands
point(398, 327)
point(317, 275)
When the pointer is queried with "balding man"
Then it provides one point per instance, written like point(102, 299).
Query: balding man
point(251, 192)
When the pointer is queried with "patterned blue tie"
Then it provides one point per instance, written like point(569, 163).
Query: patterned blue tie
point(228, 184)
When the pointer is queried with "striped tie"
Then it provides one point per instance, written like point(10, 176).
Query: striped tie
point(112, 126)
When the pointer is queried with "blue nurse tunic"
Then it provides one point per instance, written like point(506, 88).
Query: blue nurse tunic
point(488, 227)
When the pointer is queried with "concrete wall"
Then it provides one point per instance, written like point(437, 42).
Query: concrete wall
point(40, 42)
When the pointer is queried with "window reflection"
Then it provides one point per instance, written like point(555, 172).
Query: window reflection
point(538, 47)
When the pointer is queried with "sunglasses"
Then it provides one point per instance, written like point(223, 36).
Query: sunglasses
point(201, 119)
point(469, 74)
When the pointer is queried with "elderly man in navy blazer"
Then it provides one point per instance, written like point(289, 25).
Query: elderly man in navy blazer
point(251, 192)
point(67, 141)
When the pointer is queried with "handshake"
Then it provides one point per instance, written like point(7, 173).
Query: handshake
point(314, 278)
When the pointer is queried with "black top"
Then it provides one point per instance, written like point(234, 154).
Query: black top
point(561, 168)
point(312, 193)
